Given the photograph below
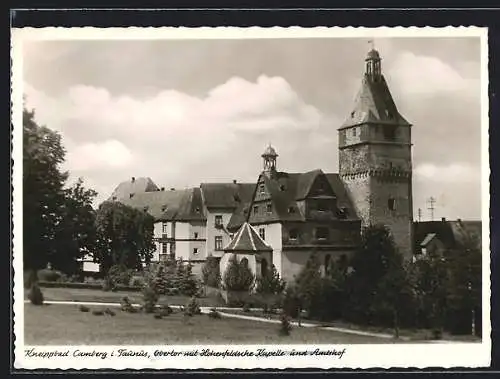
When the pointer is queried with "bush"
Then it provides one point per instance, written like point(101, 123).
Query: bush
point(285, 325)
point(165, 310)
point(35, 295)
point(238, 276)
point(30, 277)
point(150, 298)
point(211, 272)
point(119, 274)
point(291, 304)
point(192, 307)
point(137, 281)
point(270, 282)
point(214, 314)
point(49, 275)
point(187, 281)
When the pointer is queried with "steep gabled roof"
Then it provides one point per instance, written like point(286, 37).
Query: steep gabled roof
point(374, 104)
point(158, 204)
point(224, 195)
point(133, 186)
point(190, 207)
point(247, 240)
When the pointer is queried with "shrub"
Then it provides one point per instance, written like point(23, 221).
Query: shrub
point(188, 282)
point(150, 298)
point(238, 276)
point(270, 282)
point(98, 313)
point(83, 308)
point(30, 277)
point(49, 275)
point(291, 304)
point(285, 325)
point(165, 310)
point(192, 307)
point(35, 295)
point(211, 272)
point(214, 314)
point(125, 304)
point(109, 312)
point(246, 307)
point(120, 275)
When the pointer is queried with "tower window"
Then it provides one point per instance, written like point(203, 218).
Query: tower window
point(390, 133)
point(262, 233)
point(391, 204)
point(269, 208)
point(352, 114)
point(291, 210)
point(218, 221)
point(262, 189)
point(195, 251)
point(354, 132)
point(255, 209)
point(195, 235)
point(322, 233)
point(218, 243)
point(294, 234)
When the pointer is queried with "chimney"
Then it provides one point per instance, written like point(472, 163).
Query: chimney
point(163, 188)
point(133, 179)
point(443, 219)
point(235, 181)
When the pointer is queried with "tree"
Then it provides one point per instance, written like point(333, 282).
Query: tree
point(211, 272)
point(465, 282)
point(43, 194)
point(58, 223)
point(76, 232)
point(124, 236)
point(308, 285)
point(270, 282)
point(379, 289)
point(238, 276)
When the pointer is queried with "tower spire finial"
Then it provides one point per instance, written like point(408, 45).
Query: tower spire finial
point(372, 43)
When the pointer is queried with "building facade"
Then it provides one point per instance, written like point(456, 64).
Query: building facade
point(298, 214)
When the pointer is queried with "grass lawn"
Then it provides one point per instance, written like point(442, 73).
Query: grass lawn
point(91, 295)
point(66, 325)
point(413, 334)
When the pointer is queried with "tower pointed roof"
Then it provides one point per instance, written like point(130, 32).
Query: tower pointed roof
point(374, 102)
point(247, 240)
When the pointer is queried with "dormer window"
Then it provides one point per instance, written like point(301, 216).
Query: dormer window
point(163, 208)
point(353, 113)
point(294, 234)
point(218, 221)
point(282, 187)
point(354, 132)
point(291, 210)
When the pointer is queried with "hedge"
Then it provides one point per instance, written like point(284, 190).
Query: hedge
point(91, 286)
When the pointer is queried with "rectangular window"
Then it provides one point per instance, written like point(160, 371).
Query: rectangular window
point(262, 233)
point(269, 208)
point(294, 233)
point(218, 243)
point(391, 204)
point(255, 209)
point(195, 235)
point(164, 228)
point(164, 248)
point(195, 251)
point(262, 189)
point(322, 233)
point(354, 132)
point(218, 220)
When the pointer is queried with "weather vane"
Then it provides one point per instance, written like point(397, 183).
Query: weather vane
point(372, 43)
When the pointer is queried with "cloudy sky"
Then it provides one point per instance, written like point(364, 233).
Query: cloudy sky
point(191, 111)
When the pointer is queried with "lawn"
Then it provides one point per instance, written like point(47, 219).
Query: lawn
point(66, 325)
point(91, 295)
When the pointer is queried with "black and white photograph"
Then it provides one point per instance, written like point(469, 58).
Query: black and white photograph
point(251, 198)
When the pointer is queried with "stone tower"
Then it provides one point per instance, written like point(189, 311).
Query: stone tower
point(375, 157)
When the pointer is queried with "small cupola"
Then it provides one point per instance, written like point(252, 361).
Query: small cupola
point(269, 159)
point(373, 66)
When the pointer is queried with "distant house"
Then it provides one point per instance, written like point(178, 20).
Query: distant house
point(434, 237)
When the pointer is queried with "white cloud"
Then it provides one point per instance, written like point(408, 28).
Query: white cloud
point(453, 173)
point(109, 154)
point(172, 136)
point(426, 75)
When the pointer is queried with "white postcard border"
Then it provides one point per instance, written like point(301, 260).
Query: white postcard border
point(444, 355)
